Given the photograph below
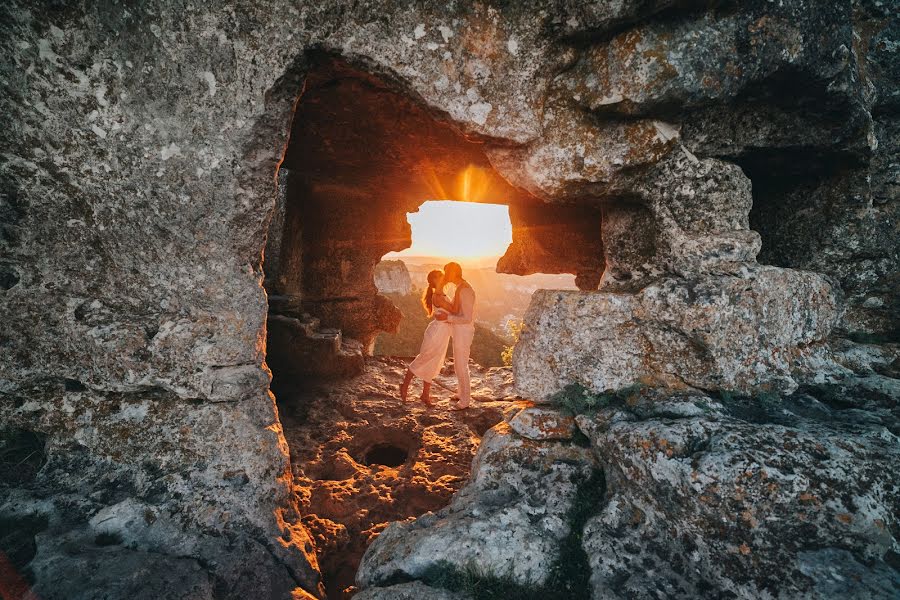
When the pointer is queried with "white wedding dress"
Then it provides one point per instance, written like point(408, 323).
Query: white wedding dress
point(428, 363)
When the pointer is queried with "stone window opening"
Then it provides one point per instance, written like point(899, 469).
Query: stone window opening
point(361, 155)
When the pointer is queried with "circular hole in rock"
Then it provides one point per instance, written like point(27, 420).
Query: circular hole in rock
point(108, 539)
point(388, 455)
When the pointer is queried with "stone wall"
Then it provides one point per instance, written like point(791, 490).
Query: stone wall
point(137, 186)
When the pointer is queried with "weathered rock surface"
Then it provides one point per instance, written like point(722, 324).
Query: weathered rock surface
point(415, 590)
point(665, 66)
point(297, 345)
point(784, 499)
point(705, 497)
point(579, 154)
point(509, 519)
point(847, 224)
point(699, 211)
point(538, 422)
point(154, 522)
point(138, 183)
point(362, 458)
point(735, 332)
point(560, 240)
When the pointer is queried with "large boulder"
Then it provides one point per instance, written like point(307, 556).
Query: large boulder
point(580, 155)
point(746, 497)
point(738, 332)
point(662, 67)
point(392, 277)
point(415, 590)
point(703, 497)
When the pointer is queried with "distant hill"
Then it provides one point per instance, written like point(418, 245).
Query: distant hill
point(392, 277)
point(500, 297)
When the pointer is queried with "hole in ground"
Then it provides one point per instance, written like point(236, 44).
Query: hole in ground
point(108, 539)
point(386, 454)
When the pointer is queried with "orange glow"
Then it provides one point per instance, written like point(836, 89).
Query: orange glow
point(473, 185)
point(433, 182)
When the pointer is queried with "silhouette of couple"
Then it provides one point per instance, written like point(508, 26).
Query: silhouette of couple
point(453, 319)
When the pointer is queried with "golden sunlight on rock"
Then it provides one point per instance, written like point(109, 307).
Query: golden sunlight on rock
point(362, 459)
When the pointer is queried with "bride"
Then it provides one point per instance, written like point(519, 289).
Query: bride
point(431, 355)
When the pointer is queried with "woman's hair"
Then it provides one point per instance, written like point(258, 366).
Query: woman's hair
point(434, 278)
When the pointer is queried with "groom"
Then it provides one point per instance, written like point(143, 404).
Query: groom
point(462, 330)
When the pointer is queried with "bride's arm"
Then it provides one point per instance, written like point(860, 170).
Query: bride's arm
point(441, 301)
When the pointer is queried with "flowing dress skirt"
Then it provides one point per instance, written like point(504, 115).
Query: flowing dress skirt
point(428, 363)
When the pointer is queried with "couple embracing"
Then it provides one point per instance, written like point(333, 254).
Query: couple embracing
point(454, 318)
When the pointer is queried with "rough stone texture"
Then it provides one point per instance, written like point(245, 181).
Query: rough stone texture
point(538, 422)
point(705, 497)
point(699, 210)
point(735, 332)
point(138, 184)
point(790, 499)
point(564, 239)
point(669, 66)
point(579, 154)
point(392, 277)
point(158, 516)
point(331, 428)
point(113, 571)
point(509, 519)
point(845, 223)
point(297, 345)
point(629, 259)
point(415, 590)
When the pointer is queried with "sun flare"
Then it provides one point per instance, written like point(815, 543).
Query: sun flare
point(462, 230)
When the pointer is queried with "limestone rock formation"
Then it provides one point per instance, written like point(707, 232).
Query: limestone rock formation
point(539, 423)
point(579, 153)
point(511, 517)
point(713, 332)
point(792, 499)
point(415, 590)
point(392, 277)
point(169, 169)
point(671, 66)
point(704, 497)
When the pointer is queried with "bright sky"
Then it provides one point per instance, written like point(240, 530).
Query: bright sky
point(463, 230)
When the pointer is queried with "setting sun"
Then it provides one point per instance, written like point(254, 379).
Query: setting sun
point(463, 230)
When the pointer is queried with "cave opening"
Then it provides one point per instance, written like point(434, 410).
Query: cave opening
point(476, 235)
point(362, 155)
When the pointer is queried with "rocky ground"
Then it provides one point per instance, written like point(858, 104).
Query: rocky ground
point(653, 148)
point(362, 458)
point(650, 493)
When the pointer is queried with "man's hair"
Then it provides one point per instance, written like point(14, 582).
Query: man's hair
point(451, 267)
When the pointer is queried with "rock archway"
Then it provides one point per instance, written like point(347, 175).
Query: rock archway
point(136, 192)
point(363, 153)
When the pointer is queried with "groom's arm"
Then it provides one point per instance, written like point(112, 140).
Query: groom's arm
point(466, 307)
